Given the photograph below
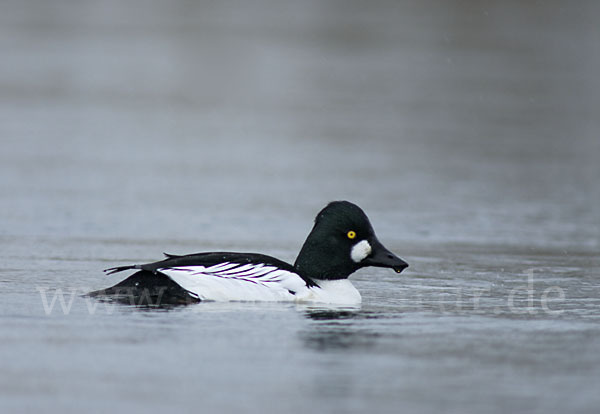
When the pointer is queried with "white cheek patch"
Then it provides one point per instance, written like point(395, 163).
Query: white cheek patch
point(360, 251)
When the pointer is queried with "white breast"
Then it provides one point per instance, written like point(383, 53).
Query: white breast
point(340, 292)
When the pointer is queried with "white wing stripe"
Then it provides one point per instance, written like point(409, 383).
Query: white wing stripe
point(258, 270)
point(261, 271)
point(250, 272)
point(221, 266)
point(238, 269)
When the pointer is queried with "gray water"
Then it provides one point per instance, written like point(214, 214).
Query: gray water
point(468, 132)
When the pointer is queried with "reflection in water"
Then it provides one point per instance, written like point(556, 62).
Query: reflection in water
point(335, 329)
point(327, 314)
point(347, 337)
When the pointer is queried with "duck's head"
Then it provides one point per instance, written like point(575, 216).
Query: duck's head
point(341, 242)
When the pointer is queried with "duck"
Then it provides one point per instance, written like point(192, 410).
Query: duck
point(341, 242)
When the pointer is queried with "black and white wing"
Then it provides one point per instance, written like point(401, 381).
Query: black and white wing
point(237, 281)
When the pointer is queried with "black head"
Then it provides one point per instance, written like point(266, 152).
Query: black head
point(341, 242)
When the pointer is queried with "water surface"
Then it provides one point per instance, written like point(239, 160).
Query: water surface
point(468, 132)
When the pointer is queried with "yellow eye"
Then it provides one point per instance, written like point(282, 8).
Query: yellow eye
point(351, 234)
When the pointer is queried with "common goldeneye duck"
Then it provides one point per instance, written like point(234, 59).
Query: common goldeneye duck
point(341, 242)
